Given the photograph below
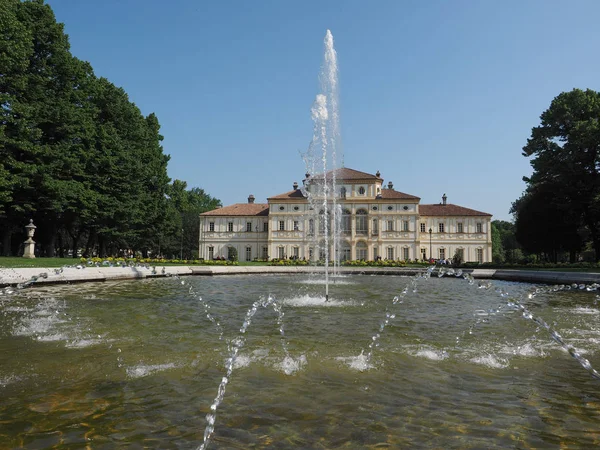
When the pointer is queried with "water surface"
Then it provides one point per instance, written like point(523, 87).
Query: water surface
point(137, 364)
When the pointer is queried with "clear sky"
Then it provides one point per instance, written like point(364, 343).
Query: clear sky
point(440, 96)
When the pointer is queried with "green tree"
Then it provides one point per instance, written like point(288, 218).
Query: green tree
point(512, 252)
point(546, 224)
point(563, 193)
point(497, 247)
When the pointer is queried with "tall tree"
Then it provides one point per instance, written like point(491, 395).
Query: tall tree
point(565, 185)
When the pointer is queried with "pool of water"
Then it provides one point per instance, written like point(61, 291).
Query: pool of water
point(137, 364)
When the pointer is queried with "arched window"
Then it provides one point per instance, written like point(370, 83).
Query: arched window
point(361, 222)
point(346, 224)
point(375, 229)
point(361, 250)
point(311, 227)
point(343, 192)
point(345, 252)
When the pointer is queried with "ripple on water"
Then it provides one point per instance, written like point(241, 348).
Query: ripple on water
point(586, 310)
point(289, 365)
point(430, 353)
point(360, 362)
point(145, 370)
point(321, 282)
point(307, 300)
point(10, 379)
point(491, 361)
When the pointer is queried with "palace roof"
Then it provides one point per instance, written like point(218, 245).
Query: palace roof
point(240, 209)
point(392, 194)
point(294, 194)
point(346, 174)
point(448, 210)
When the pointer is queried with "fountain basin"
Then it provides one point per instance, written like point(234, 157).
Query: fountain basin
point(131, 363)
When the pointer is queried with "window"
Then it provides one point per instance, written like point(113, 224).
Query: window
point(441, 227)
point(405, 254)
point(459, 227)
point(461, 253)
point(211, 252)
point(321, 222)
point(346, 224)
point(311, 227)
point(390, 253)
point(361, 251)
point(266, 227)
point(311, 253)
point(248, 226)
point(423, 227)
point(405, 225)
point(442, 253)
point(375, 253)
point(361, 190)
point(248, 254)
point(375, 230)
point(282, 225)
point(423, 254)
point(479, 227)
point(361, 221)
point(265, 253)
point(343, 192)
point(346, 252)
point(322, 251)
point(211, 226)
point(390, 225)
point(296, 252)
point(230, 227)
point(479, 253)
point(231, 253)
point(281, 252)
point(281, 208)
point(296, 226)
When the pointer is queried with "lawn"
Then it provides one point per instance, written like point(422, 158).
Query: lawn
point(17, 262)
point(14, 262)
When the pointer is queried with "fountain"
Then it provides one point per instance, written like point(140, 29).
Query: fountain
point(388, 361)
point(433, 360)
point(322, 159)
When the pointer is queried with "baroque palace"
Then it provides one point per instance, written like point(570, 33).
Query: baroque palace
point(377, 222)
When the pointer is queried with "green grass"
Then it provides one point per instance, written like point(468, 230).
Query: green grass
point(17, 262)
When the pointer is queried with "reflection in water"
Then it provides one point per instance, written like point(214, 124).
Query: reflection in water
point(396, 361)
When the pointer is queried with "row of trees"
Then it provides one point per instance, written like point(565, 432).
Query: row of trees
point(559, 212)
point(77, 156)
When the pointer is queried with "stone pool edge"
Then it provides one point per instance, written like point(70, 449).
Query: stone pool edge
point(9, 276)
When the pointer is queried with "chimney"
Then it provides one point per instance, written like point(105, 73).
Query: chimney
point(444, 198)
point(295, 185)
point(251, 198)
point(390, 185)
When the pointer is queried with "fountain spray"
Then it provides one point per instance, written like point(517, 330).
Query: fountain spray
point(322, 157)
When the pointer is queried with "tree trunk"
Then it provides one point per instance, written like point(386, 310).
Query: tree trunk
point(50, 246)
point(592, 228)
point(6, 241)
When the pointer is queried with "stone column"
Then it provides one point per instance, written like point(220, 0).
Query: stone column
point(29, 251)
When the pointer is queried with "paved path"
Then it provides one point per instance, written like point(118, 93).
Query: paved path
point(72, 274)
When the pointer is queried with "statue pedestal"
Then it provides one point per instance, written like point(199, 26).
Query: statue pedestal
point(29, 251)
point(29, 243)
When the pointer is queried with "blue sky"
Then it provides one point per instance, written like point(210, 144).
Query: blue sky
point(440, 96)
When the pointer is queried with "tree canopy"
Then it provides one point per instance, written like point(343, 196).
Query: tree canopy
point(76, 155)
point(560, 209)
